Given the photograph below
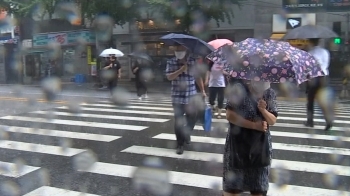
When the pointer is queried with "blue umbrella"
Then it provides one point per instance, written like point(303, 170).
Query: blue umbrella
point(194, 44)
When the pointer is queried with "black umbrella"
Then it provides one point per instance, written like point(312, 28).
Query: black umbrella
point(309, 32)
point(194, 44)
point(141, 55)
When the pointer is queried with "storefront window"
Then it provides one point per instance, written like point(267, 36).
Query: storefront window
point(68, 61)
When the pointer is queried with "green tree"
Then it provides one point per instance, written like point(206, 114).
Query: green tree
point(39, 8)
point(195, 11)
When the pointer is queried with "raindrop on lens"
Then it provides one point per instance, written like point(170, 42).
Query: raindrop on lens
point(74, 108)
point(84, 161)
point(9, 188)
point(65, 144)
point(44, 177)
point(280, 176)
point(120, 96)
point(4, 134)
point(152, 178)
point(19, 165)
point(331, 179)
point(51, 87)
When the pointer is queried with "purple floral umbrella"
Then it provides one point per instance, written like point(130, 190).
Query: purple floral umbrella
point(267, 60)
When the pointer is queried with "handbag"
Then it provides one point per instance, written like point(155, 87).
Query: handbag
point(208, 115)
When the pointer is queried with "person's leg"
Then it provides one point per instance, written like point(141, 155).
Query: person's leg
point(179, 111)
point(191, 119)
point(138, 88)
point(221, 97)
point(212, 97)
point(311, 94)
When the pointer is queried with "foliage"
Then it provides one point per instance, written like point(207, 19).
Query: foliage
point(194, 11)
point(25, 8)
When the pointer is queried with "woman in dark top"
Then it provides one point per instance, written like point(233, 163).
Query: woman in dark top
point(139, 69)
point(114, 66)
point(251, 109)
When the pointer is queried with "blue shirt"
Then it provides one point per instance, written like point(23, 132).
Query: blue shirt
point(183, 87)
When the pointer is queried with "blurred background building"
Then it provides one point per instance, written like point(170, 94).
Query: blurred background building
point(254, 18)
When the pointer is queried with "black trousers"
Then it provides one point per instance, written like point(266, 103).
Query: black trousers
point(219, 93)
point(112, 84)
point(141, 87)
point(315, 86)
point(185, 120)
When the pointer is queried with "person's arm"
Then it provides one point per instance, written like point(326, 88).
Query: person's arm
point(172, 74)
point(200, 84)
point(270, 110)
point(238, 120)
point(207, 77)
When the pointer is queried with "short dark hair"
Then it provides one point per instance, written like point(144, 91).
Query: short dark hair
point(314, 41)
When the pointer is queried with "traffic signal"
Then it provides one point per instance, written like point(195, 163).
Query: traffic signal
point(337, 40)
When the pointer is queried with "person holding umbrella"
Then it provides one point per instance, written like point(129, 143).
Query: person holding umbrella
point(140, 70)
point(114, 68)
point(183, 88)
point(316, 85)
point(182, 72)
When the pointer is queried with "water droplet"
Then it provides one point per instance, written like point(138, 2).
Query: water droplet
point(9, 188)
point(331, 179)
point(44, 177)
point(65, 144)
point(51, 87)
point(120, 96)
point(84, 161)
point(280, 176)
point(152, 178)
point(19, 165)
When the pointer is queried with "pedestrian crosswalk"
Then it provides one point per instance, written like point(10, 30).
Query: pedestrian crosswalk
point(39, 149)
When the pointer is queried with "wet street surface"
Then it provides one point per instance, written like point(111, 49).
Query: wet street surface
point(78, 145)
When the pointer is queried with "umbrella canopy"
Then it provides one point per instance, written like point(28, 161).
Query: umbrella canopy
point(111, 51)
point(140, 55)
point(268, 61)
point(217, 43)
point(194, 44)
point(309, 32)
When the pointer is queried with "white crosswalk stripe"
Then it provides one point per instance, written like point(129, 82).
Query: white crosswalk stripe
point(105, 123)
point(292, 115)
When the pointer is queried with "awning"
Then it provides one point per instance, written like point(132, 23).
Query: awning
point(277, 36)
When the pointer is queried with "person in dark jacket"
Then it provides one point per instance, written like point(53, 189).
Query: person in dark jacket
point(139, 69)
point(114, 67)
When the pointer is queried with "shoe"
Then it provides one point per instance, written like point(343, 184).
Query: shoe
point(180, 150)
point(308, 124)
point(140, 98)
point(146, 96)
point(219, 114)
point(328, 127)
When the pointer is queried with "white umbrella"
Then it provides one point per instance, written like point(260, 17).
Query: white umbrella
point(111, 51)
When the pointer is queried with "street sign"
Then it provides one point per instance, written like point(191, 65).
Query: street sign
point(337, 40)
point(316, 5)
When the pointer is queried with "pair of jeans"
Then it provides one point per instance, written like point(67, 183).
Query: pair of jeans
point(217, 92)
point(185, 120)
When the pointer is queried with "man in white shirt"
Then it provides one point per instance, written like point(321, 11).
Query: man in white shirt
point(315, 85)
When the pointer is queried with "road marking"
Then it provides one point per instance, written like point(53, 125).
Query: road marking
point(10, 170)
point(215, 157)
point(131, 118)
point(52, 191)
point(62, 134)
point(207, 182)
point(76, 123)
point(275, 146)
point(292, 119)
point(39, 148)
point(122, 111)
point(130, 107)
